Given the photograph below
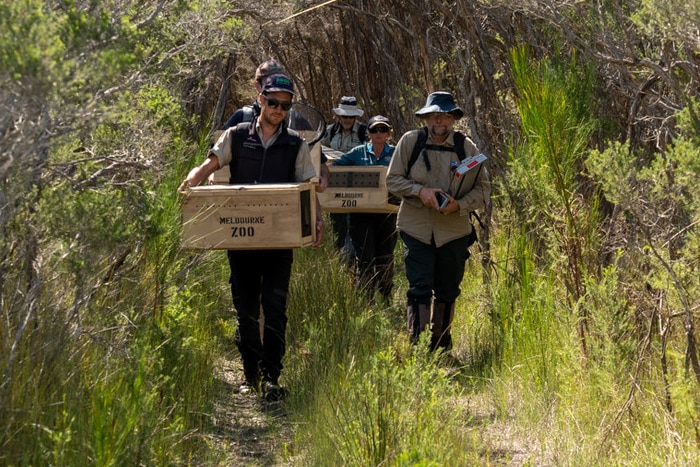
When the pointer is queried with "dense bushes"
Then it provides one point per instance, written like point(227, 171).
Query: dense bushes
point(584, 330)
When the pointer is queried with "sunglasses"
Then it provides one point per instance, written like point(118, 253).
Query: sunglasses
point(380, 129)
point(274, 103)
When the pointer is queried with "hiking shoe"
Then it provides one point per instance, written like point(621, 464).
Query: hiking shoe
point(247, 388)
point(273, 392)
point(249, 385)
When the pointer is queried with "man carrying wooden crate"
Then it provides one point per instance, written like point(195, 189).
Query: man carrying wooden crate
point(262, 151)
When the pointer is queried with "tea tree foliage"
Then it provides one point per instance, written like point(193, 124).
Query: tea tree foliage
point(581, 333)
point(93, 125)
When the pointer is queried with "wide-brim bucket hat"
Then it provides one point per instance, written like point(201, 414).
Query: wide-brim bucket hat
point(348, 107)
point(440, 102)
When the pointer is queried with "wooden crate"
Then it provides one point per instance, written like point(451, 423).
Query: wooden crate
point(249, 217)
point(356, 189)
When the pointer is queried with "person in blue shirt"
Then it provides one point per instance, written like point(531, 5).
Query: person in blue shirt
point(373, 234)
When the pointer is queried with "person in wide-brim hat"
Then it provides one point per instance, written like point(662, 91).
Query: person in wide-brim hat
point(343, 135)
point(433, 218)
point(348, 107)
point(440, 102)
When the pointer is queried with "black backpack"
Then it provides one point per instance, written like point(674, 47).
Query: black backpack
point(420, 148)
point(248, 113)
point(361, 133)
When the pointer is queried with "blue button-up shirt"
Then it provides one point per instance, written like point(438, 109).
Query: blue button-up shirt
point(364, 155)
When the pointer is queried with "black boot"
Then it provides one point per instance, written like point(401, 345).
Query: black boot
point(441, 324)
point(418, 317)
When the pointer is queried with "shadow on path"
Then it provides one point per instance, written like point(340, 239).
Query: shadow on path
point(245, 429)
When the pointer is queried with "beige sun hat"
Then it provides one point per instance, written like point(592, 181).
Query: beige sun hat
point(348, 107)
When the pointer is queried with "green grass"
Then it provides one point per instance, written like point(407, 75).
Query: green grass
point(116, 367)
point(140, 390)
point(362, 394)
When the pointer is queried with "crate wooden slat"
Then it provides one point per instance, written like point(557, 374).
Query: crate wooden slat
point(356, 189)
point(249, 217)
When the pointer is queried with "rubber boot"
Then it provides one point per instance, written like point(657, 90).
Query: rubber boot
point(418, 318)
point(441, 324)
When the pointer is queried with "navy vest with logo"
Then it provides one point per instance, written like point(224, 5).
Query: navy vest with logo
point(252, 163)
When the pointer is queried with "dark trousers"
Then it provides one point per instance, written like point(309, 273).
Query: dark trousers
point(432, 271)
point(374, 238)
point(261, 277)
point(339, 223)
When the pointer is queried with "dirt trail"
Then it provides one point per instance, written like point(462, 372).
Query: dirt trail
point(247, 430)
point(506, 447)
point(250, 432)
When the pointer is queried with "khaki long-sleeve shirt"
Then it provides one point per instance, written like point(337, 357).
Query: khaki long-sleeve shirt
point(472, 190)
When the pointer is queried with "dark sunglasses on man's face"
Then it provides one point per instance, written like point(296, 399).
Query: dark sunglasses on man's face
point(380, 129)
point(274, 103)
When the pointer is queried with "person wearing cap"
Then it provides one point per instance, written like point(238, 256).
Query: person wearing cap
point(294, 119)
point(262, 151)
point(436, 238)
point(344, 135)
point(373, 234)
point(246, 114)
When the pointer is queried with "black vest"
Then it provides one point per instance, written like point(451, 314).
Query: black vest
point(252, 163)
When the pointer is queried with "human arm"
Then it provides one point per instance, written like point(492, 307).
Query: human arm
point(471, 188)
point(478, 196)
point(350, 157)
point(323, 178)
point(234, 119)
point(220, 152)
point(198, 174)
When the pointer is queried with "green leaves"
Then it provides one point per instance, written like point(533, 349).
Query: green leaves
point(29, 42)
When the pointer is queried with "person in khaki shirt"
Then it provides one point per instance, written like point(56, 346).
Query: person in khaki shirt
point(436, 238)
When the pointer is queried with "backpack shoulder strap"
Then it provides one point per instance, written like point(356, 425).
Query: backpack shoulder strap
point(362, 133)
point(334, 129)
point(423, 137)
point(459, 145)
point(418, 147)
